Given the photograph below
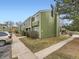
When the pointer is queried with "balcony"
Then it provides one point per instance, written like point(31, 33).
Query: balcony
point(35, 23)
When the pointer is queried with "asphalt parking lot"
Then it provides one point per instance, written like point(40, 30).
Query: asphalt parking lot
point(6, 52)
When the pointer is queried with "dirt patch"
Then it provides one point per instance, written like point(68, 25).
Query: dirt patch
point(71, 48)
point(69, 51)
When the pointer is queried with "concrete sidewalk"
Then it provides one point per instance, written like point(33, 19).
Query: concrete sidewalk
point(45, 52)
point(20, 50)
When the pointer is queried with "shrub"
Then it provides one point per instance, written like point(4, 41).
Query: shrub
point(27, 33)
point(23, 33)
point(32, 34)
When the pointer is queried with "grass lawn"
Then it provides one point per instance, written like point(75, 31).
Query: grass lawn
point(69, 51)
point(39, 44)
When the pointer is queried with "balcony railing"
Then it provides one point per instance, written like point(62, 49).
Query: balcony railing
point(35, 23)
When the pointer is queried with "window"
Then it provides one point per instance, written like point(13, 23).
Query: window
point(3, 34)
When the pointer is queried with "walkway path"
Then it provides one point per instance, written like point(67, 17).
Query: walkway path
point(45, 52)
point(20, 50)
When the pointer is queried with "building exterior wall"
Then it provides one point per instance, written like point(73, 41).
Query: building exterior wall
point(47, 25)
point(27, 24)
point(43, 23)
point(37, 23)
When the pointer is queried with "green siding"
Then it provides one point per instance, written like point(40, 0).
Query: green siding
point(47, 25)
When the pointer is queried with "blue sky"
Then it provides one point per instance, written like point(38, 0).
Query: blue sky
point(19, 10)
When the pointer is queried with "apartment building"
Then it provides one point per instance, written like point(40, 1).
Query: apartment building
point(27, 24)
point(43, 23)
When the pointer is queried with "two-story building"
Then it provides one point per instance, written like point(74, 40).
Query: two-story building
point(43, 23)
point(27, 25)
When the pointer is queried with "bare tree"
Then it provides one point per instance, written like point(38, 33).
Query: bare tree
point(19, 24)
point(9, 24)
